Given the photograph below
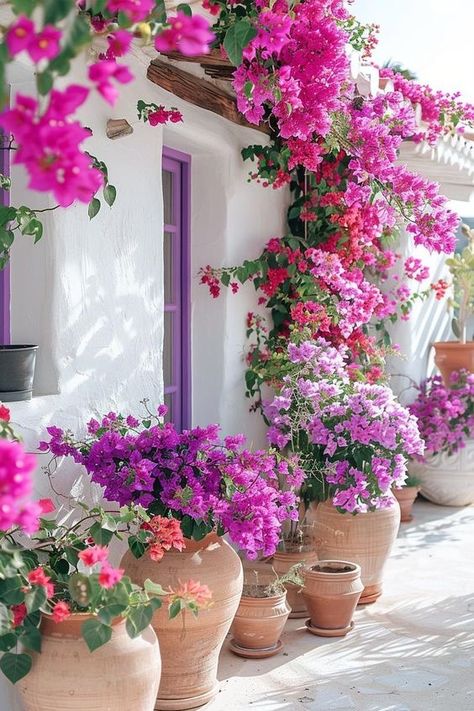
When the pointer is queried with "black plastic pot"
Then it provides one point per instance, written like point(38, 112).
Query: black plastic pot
point(17, 370)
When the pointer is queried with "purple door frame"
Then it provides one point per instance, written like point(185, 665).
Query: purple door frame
point(4, 273)
point(179, 307)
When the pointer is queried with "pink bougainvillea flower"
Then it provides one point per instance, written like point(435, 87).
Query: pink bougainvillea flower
point(108, 576)
point(135, 10)
point(93, 555)
point(192, 592)
point(4, 413)
point(162, 115)
point(45, 45)
point(19, 35)
point(167, 534)
point(61, 611)
point(119, 43)
point(64, 103)
point(39, 577)
point(46, 505)
point(101, 74)
point(188, 35)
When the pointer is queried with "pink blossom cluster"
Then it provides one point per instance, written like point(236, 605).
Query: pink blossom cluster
point(445, 414)
point(16, 485)
point(354, 437)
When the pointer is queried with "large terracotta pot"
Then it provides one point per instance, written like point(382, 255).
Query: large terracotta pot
point(258, 624)
point(282, 562)
point(406, 498)
point(447, 479)
point(122, 675)
point(332, 589)
point(453, 355)
point(365, 539)
point(190, 647)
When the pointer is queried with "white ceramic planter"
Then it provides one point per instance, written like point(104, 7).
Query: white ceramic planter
point(448, 480)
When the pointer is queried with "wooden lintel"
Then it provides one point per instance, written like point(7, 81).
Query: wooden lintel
point(198, 92)
point(213, 59)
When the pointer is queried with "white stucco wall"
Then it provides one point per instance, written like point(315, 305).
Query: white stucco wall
point(91, 295)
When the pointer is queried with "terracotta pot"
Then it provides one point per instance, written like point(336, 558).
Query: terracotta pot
point(406, 498)
point(365, 539)
point(122, 675)
point(190, 647)
point(258, 624)
point(282, 562)
point(332, 589)
point(453, 355)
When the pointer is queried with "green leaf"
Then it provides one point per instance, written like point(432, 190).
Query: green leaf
point(7, 214)
point(153, 588)
point(80, 589)
point(101, 536)
point(11, 591)
point(175, 608)
point(7, 641)
point(15, 666)
point(31, 639)
point(55, 10)
point(7, 237)
point(137, 547)
point(94, 207)
point(23, 7)
point(95, 633)
point(237, 38)
point(110, 193)
point(36, 598)
point(138, 619)
point(110, 612)
point(184, 8)
point(44, 82)
point(32, 227)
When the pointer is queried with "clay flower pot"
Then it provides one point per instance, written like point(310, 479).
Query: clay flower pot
point(282, 562)
point(332, 589)
point(365, 539)
point(453, 355)
point(406, 498)
point(190, 648)
point(122, 675)
point(258, 624)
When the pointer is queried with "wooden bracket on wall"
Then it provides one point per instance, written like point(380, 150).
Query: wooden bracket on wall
point(198, 92)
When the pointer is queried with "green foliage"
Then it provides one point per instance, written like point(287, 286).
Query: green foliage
point(95, 633)
point(15, 666)
point(237, 38)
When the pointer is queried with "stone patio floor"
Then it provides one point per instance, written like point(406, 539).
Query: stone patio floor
point(410, 651)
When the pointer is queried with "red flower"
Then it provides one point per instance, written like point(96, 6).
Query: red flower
point(39, 577)
point(46, 505)
point(93, 555)
point(19, 614)
point(167, 534)
point(108, 576)
point(61, 612)
point(4, 413)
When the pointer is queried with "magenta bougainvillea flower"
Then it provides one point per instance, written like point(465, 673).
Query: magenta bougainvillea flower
point(188, 35)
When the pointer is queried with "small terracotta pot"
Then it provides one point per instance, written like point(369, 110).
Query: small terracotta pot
point(190, 647)
point(365, 539)
point(406, 498)
point(282, 562)
point(258, 624)
point(122, 675)
point(332, 589)
point(453, 355)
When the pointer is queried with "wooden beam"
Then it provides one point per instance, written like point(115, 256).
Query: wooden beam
point(213, 59)
point(198, 92)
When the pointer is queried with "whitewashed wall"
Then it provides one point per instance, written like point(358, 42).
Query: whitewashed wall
point(91, 293)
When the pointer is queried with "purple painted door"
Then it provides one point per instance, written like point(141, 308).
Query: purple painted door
point(176, 253)
point(4, 273)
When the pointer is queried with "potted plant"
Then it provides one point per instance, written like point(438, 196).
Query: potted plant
point(353, 438)
point(406, 495)
point(262, 615)
point(445, 417)
point(458, 355)
point(17, 371)
point(61, 599)
point(332, 589)
point(195, 484)
point(295, 548)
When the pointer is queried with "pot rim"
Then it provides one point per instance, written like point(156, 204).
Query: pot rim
point(262, 601)
point(450, 345)
point(17, 347)
point(72, 626)
point(354, 571)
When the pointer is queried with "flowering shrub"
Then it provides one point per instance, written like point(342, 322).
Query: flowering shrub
point(47, 138)
point(445, 414)
point(193, 476)
point(66, 569)
point(353, 436)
